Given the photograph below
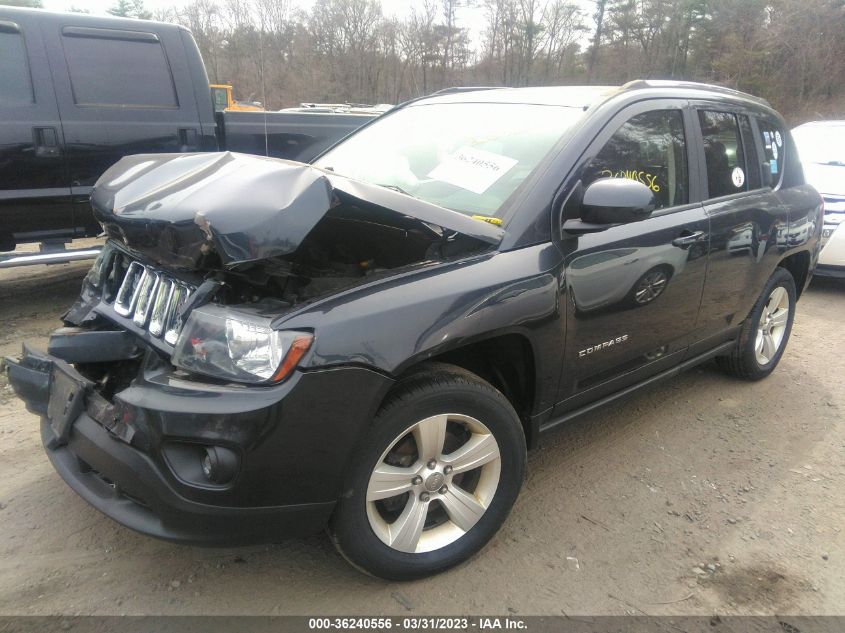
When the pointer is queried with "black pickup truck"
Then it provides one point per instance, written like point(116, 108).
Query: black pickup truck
point(77, 93)
point(372, 341)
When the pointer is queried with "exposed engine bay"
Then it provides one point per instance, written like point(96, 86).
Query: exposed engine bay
point(344, 249)
point(206, 250)
point(266, 228)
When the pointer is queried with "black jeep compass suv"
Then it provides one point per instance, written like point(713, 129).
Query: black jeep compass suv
point(371, 342)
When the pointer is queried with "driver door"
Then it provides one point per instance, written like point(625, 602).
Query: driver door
point(632, 291)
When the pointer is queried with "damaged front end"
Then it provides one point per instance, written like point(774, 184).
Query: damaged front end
point(173, 387)
point(225, 244)
point(206, 252)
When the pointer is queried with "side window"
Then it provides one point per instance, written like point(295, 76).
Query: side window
point(650, 148)
point(723, 152)
point(774, 146)
point(107, 69)
point(15, 80)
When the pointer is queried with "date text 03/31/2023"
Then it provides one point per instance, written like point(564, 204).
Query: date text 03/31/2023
point(418, 623)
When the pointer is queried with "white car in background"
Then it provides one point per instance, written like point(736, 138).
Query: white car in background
point(821, 147)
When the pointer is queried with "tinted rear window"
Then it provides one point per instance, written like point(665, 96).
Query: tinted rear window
point(15, 80)
point(111, 71)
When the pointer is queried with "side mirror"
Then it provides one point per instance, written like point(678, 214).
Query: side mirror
point(616, 201)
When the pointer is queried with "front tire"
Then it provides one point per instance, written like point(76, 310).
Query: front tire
point(434, 478)
point(765, 333)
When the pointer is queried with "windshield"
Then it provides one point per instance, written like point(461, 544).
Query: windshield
point(468, 157)
point(823, 144)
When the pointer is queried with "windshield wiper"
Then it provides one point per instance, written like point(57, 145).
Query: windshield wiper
point(394, 188)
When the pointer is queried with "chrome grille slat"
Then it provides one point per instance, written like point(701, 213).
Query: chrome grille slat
point(174, 316)
point(160, 307)
point(153, 300)
point(148, 291)
point(127, 294)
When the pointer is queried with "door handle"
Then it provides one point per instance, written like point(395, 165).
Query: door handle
point(688, 239)
point(46, 142)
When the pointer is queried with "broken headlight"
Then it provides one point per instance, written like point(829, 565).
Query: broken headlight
point(238, 346)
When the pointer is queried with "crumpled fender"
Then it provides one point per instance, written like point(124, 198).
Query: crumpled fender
point(179, 208)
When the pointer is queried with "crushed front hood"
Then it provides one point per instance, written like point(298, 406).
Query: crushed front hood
point(179, 208)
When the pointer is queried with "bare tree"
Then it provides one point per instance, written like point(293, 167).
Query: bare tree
point(790, 51)
point(594, 49)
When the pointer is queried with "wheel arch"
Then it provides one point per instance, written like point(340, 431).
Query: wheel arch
point(798, 265)
point(506, 360)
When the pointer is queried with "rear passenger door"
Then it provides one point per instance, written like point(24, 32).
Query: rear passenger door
point(34, 191)
point(120, 91)
point(747, 221)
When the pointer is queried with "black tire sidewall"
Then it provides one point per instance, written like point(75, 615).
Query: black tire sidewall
point(350, 526)
point(780, 278)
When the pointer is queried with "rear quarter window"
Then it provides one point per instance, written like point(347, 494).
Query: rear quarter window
point(774, 140)
point(118, 69)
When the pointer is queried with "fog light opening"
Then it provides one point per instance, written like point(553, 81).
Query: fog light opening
point(219, 465)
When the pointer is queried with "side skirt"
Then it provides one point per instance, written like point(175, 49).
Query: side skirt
point(669, 373)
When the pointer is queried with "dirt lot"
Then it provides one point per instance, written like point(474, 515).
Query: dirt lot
point(700, 495)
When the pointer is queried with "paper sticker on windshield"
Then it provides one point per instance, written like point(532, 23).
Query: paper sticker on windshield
point(778, 138)
point(472, 169)
point(773, 166)
point(775, 151)
point(767, 138)
point(738, 177)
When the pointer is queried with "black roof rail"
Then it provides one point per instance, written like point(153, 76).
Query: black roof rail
point(638, 84)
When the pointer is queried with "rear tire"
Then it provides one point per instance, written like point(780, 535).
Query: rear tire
point(765, 333)
point(433, 479)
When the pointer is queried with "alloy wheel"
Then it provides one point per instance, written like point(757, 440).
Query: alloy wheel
point(772, 326)
point(433, 483)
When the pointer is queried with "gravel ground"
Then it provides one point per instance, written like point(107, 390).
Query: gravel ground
point(699, 495)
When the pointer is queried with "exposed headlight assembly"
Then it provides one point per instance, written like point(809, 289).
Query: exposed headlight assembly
point(240, 346)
